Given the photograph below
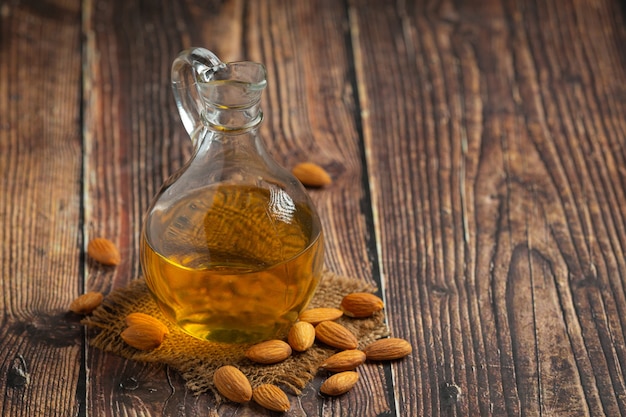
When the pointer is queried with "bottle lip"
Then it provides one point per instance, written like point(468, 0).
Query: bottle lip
point(237, 86)
point(248, 75)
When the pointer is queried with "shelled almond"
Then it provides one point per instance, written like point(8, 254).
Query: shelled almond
point(387, 349)
point(335, 335)
point(271, 397)
point(346, 360)
point(103, 251)
point(144, 336)
point(301, 336)
point(271, 351)
point(318, 315)
point(86, 303)
point(232, 384)
point(361, 304)
point(142, 318)
point(311, 174)
point(339, 383)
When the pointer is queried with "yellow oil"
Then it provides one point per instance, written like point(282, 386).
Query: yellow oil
point(232, 263)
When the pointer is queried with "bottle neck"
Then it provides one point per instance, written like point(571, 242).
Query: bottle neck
point(232, 119)
point(232, 152)
point(230, 105)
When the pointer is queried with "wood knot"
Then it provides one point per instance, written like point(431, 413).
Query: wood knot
point(450, 393)
point(18, 375)
point(440, 290)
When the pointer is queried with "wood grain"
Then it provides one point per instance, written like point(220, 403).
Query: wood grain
point(40, 207)
point(500, 200)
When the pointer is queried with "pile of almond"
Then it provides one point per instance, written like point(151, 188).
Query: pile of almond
point(145, 332)
point(314, 324)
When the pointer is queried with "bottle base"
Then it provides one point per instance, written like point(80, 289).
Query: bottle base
point(232, 335)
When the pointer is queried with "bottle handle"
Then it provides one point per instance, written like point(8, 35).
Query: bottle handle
point(189, 67)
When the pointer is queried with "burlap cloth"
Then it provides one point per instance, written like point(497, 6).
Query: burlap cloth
point(197, 360)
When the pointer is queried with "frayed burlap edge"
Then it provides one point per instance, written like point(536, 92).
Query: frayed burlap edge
point(197, 360)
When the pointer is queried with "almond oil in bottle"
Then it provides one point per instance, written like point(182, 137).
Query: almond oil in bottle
point(233, 263)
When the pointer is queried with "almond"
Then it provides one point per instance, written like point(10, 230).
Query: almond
point(103, 251)
point(271, 397)
point(86, 303)
point(141, 318)
point(388, 349)
point(232, 384)
point(318, 315)
point(344, 361)
point(361, 304)
point(311, 174)
point(301, 336)
point(335, 335)
point(271, 351)
point(339, 383)
point(143, 336)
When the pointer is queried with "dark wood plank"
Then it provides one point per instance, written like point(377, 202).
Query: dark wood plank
point(499, 192)
point(135, 140)
point(40, 207)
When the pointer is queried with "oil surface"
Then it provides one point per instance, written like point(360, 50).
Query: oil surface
point(233, 263)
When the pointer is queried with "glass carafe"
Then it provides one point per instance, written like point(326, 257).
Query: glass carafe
point(232, 247)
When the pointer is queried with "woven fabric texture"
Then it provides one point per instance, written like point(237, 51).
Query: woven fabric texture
point(197, 360)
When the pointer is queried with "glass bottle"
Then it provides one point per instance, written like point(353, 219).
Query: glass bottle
point(232, 247)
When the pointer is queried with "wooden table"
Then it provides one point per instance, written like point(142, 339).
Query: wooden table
point(477, 150)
